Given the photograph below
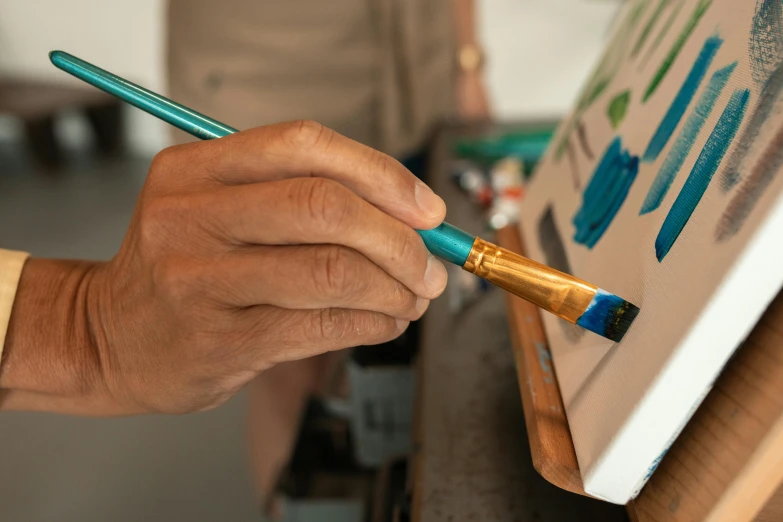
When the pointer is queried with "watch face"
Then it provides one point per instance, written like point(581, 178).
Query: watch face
point(470, 58)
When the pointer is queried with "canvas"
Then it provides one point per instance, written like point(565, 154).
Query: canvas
point(664, 186)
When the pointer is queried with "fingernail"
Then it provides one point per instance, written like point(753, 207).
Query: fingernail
point(435, 277)
point(421, 305)
point(429, 202)
point(402, 325)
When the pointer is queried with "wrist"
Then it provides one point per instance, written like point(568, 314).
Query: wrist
point(50, 359)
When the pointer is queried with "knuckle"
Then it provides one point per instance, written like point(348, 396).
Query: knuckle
point(332, 272)
point(406, 247)
point(304, 134)
point(165, 159)
point(331, 324)
point(172, 159)
point(391, 175)
point(381, 165)
point(184, 165)
point(326, 204)
point(152, 218)
point(376, 328)
point(158, 216)
point(401, 299)
point(175, 281)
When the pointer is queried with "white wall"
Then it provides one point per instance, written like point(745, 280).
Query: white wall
point(126, 37)
point(539, 51)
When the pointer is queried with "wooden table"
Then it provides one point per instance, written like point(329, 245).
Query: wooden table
point(38, 103)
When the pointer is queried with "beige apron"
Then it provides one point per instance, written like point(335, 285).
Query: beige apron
point(378, 71)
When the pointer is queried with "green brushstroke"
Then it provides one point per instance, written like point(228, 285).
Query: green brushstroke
point(662, 34)
point(662, 4)
point(565, 140)
point(613, 59)
point(598, 90)
point(701, 8)
point(618, 108)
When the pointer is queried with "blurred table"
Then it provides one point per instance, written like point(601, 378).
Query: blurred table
point(38, 103)
point(472, 459)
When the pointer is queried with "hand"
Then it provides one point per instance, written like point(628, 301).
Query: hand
point(472, 100)
point(267, 246)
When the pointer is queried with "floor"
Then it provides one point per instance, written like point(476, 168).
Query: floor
point(57, 468)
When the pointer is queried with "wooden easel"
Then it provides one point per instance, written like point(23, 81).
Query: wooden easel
point(726, 466)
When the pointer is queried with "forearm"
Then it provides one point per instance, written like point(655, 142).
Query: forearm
point(465, 22)
point(49, 360)
point(472, 99)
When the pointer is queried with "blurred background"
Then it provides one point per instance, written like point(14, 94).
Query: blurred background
point(71, 165)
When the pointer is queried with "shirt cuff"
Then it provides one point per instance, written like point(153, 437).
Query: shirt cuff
point(11, 264)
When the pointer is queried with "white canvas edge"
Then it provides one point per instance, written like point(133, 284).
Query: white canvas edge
point(748, 288)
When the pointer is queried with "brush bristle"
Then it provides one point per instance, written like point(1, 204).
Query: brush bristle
point(608, 315)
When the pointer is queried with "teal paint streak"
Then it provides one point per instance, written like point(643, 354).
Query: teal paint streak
point(684, 143)
point(445, 241)
point(702, 173)
point(605, 193)
point(683, 99)
point(545, 362)
point(448, 242)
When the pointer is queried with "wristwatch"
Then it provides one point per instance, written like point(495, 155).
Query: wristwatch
point(470, 58)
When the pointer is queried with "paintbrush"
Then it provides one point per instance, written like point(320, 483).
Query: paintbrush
point(572, 299)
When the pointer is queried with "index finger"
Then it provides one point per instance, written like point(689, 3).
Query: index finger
point(308, 149)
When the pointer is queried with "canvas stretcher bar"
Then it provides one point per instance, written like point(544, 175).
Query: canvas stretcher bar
point(726, 466)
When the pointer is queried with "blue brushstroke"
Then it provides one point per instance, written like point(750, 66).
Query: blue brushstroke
point(682, 146)
point(702, 173)
point(605, 193)
point(655, 464)
point(683, 99)
point(448, 242)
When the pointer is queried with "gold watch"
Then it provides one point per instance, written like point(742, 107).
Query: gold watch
point(470, 58)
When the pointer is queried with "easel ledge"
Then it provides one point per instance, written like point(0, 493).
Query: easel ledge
point(726, 466)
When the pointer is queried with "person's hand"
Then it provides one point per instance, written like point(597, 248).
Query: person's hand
point(270, 245)
point(472, 100)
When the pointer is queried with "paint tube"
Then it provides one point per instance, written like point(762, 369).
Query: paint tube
point(474, 182)
point(508, 188)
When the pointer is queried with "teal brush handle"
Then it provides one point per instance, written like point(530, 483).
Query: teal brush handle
point(445, 241)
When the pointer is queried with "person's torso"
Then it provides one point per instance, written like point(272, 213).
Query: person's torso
point(378, 71)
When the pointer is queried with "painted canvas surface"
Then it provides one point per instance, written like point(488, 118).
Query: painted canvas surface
point(665, 187)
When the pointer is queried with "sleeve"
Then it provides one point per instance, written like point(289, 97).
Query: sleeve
point(11, 264)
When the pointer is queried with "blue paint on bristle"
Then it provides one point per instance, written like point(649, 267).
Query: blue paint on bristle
point(608, 315)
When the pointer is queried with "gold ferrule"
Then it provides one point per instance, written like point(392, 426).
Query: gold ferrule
point(554, 291)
